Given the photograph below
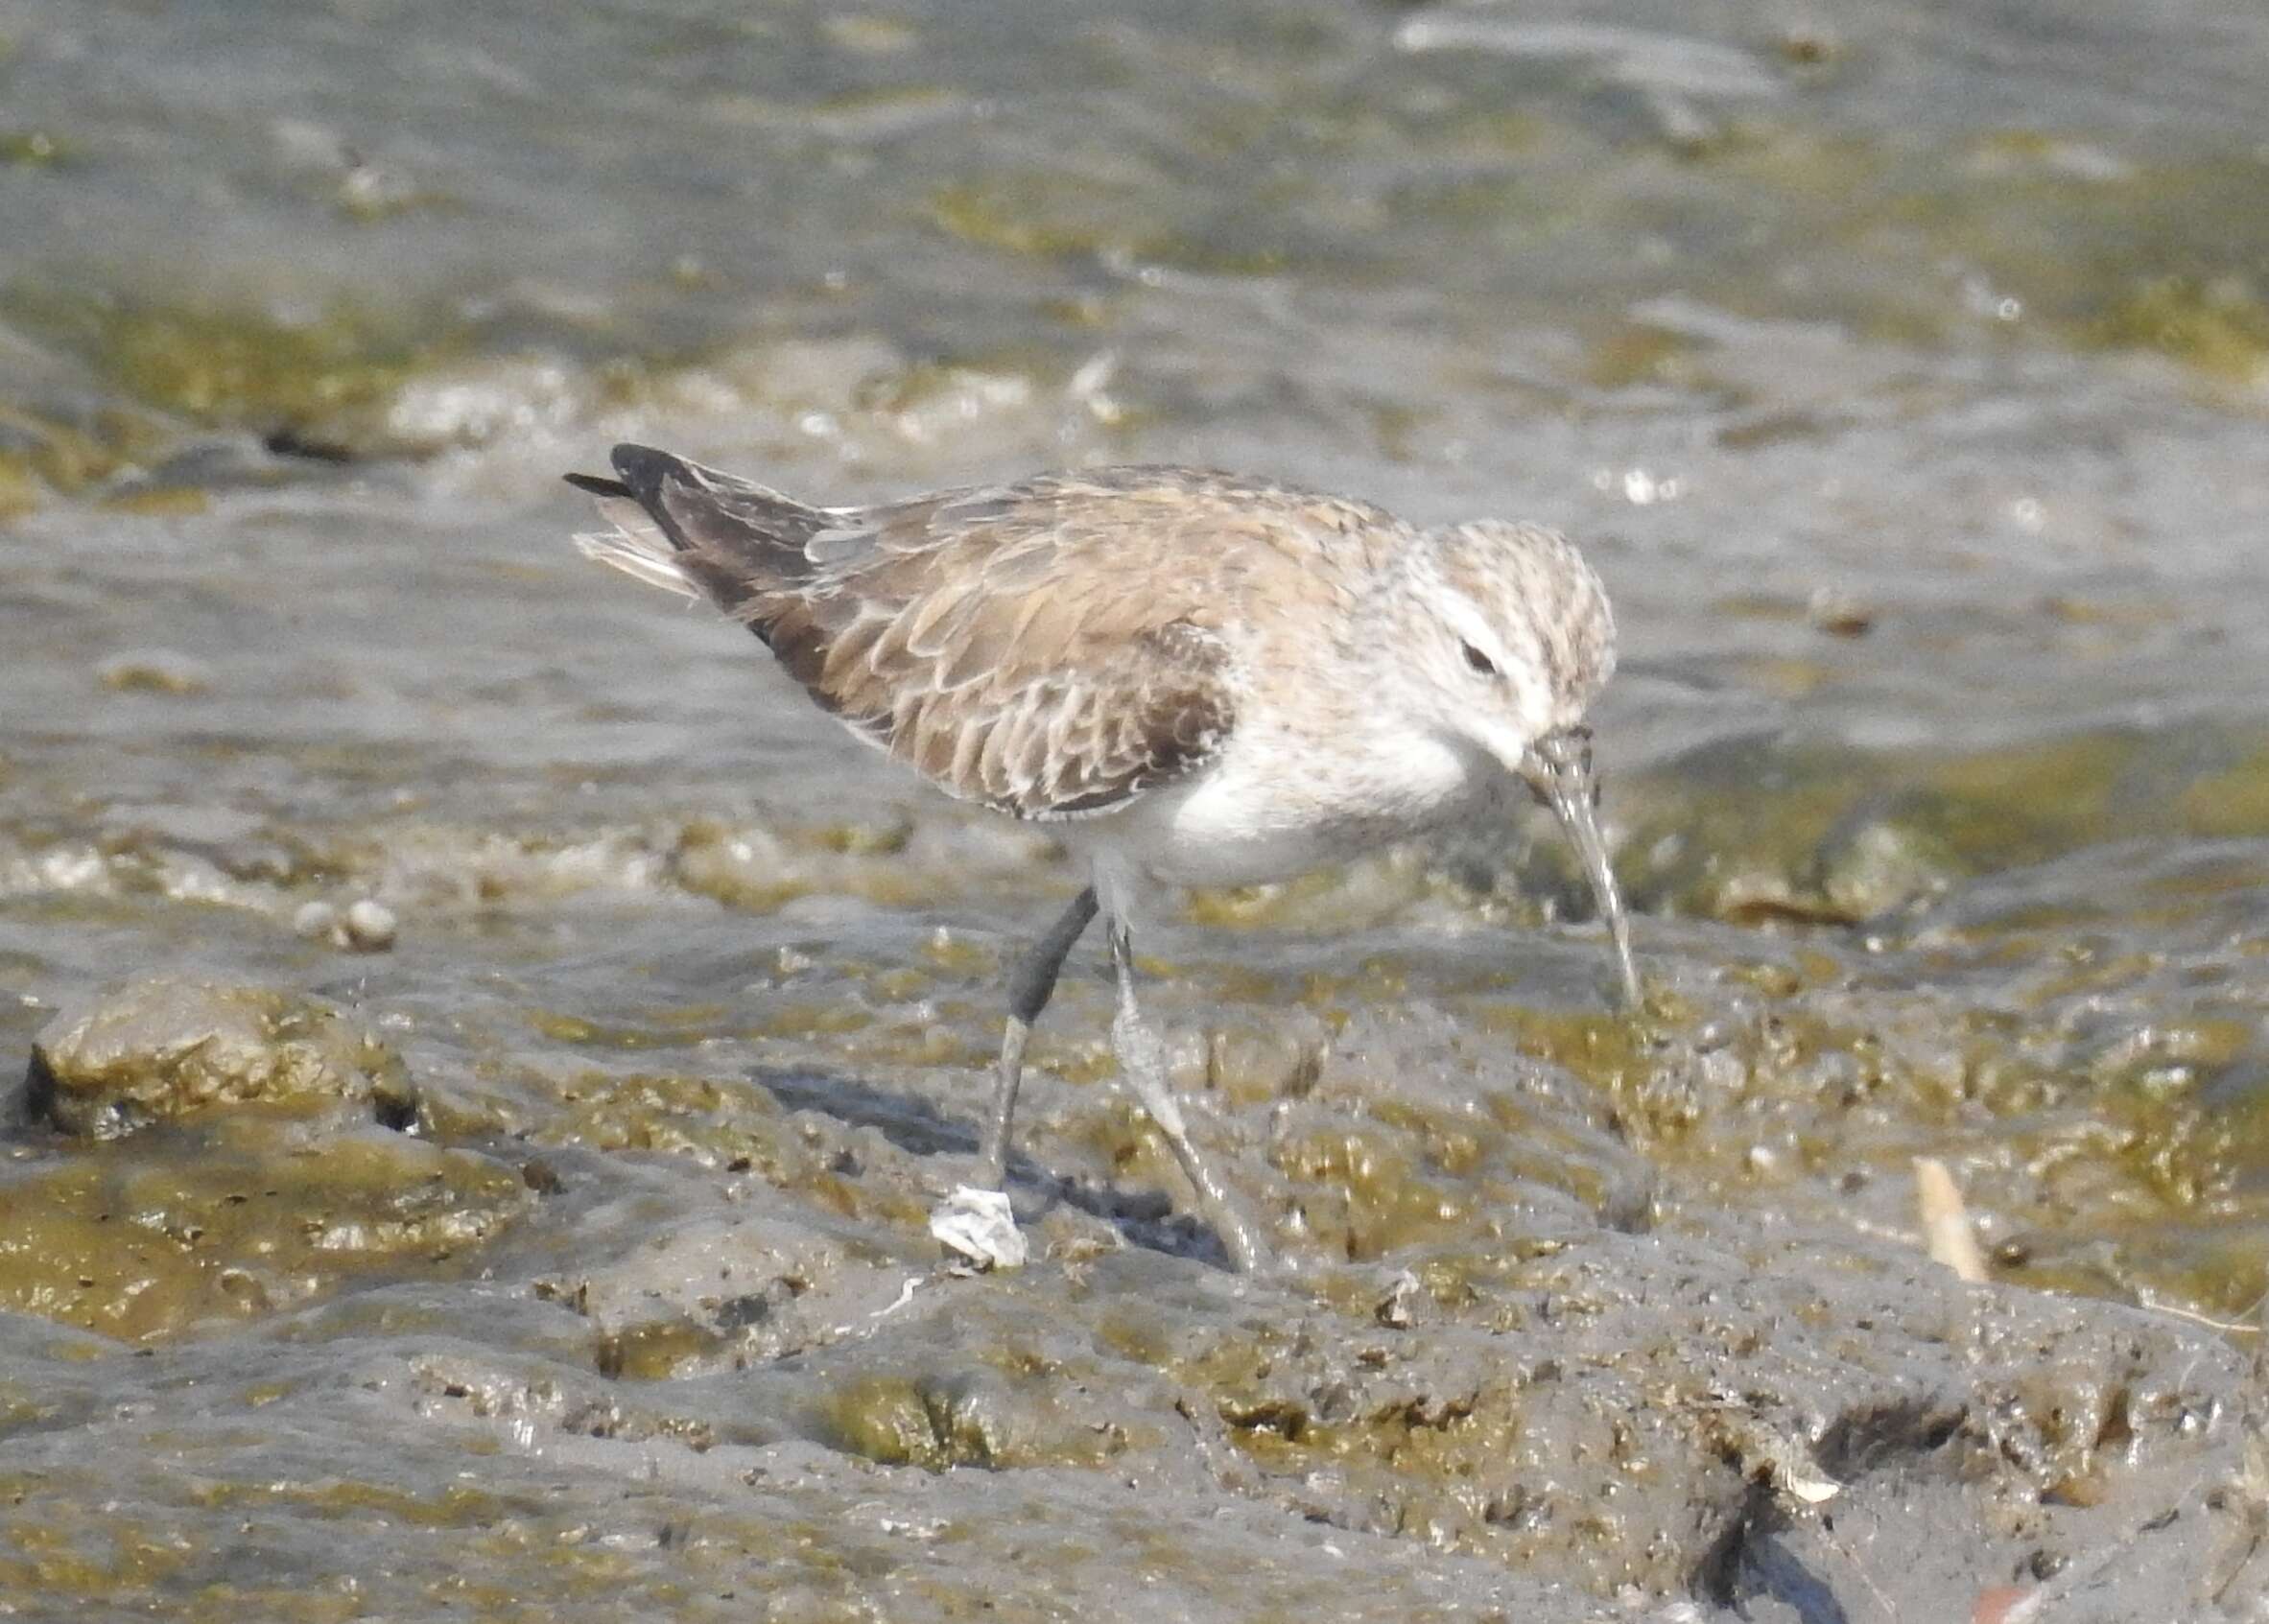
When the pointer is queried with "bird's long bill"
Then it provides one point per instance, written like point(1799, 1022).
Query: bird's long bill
point(1559, 770)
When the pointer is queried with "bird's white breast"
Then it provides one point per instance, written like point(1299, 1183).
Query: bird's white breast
point(1272, 807)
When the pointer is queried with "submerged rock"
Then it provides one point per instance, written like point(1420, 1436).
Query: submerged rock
point(1880, 858)
point(170, 1046)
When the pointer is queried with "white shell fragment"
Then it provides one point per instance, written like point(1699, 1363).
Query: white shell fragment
point(363, 926)
point(369, 927)
point(1806, 1485)
point(980, 1225)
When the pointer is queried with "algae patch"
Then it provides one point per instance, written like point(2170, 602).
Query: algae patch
point(224, 366)
point(235, 1218)
point(1760, 832)
point(67, 453)
point(35, 149)
point(975, 1418)
point(1046, 216)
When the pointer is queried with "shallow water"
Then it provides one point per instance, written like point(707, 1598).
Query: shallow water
point(1902, 367)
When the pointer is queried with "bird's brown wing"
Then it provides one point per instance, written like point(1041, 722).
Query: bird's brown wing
point(1049, 649)
point(1032, 647)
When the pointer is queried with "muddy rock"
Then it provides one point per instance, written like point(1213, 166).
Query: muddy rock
point(172, 1047)
point(728, 1290)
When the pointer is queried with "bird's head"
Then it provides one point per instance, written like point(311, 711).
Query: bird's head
point(1510, 636)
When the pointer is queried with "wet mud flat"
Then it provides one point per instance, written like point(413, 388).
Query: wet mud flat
point(483, 1052)
point(320, 1333)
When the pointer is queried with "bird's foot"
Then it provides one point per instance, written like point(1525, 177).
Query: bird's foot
point(1142, 1063)
point(980, 1226)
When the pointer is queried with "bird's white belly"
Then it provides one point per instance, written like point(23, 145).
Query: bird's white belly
point(1270, 809)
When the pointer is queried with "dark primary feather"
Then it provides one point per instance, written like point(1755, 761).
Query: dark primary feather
point(993, 638)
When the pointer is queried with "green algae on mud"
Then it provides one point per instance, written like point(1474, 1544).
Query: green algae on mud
point(718, 1123)
point(2096, 1162)
point(2064, 242)
point(36, 149)
point(237, 1218)
point(1046, 216)
point(735, 1126)
point(238, 367)
point(964, 1419)
point(1759, 830)
point(69, 454)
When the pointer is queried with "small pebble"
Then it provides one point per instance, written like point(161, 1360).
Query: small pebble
point(369, 927)
point(315, 920)
point(1807, 45)
point(1839, 614)
point(155, 670)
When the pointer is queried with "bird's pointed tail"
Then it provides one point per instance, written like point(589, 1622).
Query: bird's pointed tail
point(636, 545)
point(696, 531)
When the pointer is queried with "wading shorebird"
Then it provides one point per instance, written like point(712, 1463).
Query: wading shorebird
point(1204, 679)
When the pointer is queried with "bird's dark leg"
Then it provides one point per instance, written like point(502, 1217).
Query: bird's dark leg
point(1030, 985)
point(1141, 1062)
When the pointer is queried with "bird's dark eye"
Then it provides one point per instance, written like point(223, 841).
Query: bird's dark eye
point(1478, 663)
